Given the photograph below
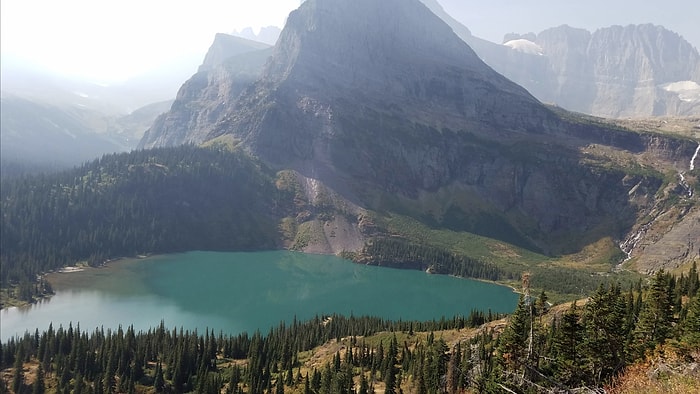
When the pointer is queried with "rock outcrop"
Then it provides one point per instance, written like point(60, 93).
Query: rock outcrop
point(230, 65)
point(631, 71)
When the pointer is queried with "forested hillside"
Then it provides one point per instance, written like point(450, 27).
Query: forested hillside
point(158, 201)
point(169, 200)
point(580, 349)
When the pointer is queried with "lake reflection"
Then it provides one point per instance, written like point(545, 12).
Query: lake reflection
point(236, 292)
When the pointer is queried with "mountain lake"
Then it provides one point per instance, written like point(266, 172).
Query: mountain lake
point(236, 292)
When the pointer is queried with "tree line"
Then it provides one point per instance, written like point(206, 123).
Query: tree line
point(401, 253)
point(588, 345)
point(156, 201)
point(585, 346)
point(171, 360)
point(165, 200)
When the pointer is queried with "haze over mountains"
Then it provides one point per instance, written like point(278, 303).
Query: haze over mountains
point(54, 122)
point(375, 131)
point(267, 35)
point(633, 71)
point(385, 108)
point(380, 107)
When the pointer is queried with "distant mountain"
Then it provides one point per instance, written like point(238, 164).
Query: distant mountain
point(382, 112)
point(111, 99)
point(36, 136)
point(267, 35)
point(231, 64)
point(51, 122)
point(631, 71)
point(39, 136)
point(225, 47)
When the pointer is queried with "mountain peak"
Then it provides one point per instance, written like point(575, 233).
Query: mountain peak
point(366, 33)
point(226, 46)
point(336, 58)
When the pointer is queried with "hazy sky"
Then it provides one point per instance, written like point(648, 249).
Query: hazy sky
point(492, 19)
point(112, 40)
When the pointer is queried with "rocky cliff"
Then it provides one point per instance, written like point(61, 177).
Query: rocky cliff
point(230, 65)
point(631, 71)
point(377, 109)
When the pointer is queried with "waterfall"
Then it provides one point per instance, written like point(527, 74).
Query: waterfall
point(695, 156)
point(684, 184)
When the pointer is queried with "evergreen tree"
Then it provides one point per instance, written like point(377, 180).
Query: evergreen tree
point(656, 316)
point(39, 384)
point(18, 372)
point(454, 369)
point(566, 346)
point(307, 385)
point(279, 385)
point(541, 305)
point(690, 327)
point(605, 334)
point(391, 371)
point(158, 379)
point(78, 385)
point(316, 381)
point(364, 385)
point(693, 280)
point(513, 346)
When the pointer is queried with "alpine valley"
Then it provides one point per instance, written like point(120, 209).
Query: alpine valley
point(374, 132)
point(388, 128)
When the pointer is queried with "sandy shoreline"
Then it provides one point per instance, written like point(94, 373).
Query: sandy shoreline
point(68, 270)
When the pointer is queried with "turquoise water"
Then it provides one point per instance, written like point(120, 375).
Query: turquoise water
point(236, 292)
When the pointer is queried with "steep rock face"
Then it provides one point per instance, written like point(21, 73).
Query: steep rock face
point(267, 35)
point(654, 57)
point(631, 71)
point(231, 64)
point(381, 105)
point(225, 47)
point(337, 57)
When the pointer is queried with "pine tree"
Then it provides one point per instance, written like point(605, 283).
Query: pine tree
point(316, 381)
point(691, 324)
point(18, 373)
point(158, 379)
point(693, 280)
point(512, 348)
point(453, 369)
point(391, 371)
point(39, 384)
point(78, 385)
point(541, 304)
point(567, 342)
point(656, 316)
point(364, 385)
point(307, 386)
point(326, 380)
point(279, 385)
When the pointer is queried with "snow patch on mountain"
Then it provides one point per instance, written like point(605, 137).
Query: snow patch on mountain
point(525, 46)
point(686, 90)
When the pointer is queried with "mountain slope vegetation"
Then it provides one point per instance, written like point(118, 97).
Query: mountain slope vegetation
point(164, 200)
point(406, 151)
point(580, 347)
point(412, 123)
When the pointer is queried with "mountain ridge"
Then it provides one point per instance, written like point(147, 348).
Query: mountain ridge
point(370, 120)
point(630, 71)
